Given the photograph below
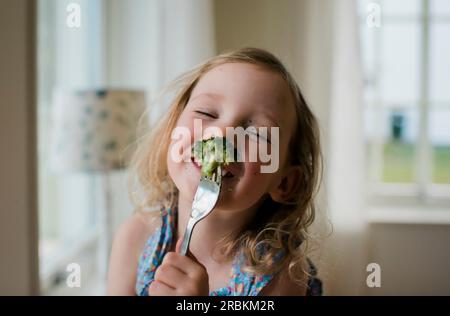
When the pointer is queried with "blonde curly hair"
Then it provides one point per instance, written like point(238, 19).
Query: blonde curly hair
point(284, 229)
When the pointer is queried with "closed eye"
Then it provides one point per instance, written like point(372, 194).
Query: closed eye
point(206, 114)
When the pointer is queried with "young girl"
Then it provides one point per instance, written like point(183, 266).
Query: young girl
point(254, 241)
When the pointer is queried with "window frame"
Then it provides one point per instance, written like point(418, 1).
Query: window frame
point(53, 266)
point(422, 192)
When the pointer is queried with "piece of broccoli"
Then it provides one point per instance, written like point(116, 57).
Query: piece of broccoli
point(212, 153)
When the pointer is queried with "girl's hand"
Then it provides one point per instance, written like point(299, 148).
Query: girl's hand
point(179, 275)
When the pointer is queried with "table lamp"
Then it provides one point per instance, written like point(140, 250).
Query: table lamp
point(93, 132)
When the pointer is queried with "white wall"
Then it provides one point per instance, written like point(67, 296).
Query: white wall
point(414, 259)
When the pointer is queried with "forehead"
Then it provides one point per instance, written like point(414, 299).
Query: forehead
point(248, 86)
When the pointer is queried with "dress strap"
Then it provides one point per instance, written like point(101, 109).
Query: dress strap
point(157, 245)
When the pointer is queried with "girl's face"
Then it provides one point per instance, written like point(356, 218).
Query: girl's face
point(236, 95)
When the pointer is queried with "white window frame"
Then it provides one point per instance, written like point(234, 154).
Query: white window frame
point(423, 194)
point(53, 267)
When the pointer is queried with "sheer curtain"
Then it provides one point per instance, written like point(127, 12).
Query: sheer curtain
point(346, 148)
point(66, 59)
point(332, 79)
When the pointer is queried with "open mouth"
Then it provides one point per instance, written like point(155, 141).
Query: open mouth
point(212, 154)
point(226, 173)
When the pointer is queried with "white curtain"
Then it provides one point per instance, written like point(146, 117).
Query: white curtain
point(333, 85)
point(345, 155)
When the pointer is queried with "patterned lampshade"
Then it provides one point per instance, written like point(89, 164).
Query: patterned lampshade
point(92, 130)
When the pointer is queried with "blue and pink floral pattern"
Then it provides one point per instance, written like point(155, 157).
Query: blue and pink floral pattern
point(158, 244)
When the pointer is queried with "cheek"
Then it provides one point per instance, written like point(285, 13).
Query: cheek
point(248, 190)
point(254, 180)
point(185, 176)
point(181, 170)
point(180, 141)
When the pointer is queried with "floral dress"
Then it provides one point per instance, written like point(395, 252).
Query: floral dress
point(240, 283)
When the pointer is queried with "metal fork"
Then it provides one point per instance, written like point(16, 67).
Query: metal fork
point(205, 199)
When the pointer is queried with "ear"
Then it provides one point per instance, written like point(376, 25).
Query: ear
point(288, 184)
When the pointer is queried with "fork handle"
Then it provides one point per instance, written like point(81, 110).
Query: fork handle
point(187, 236)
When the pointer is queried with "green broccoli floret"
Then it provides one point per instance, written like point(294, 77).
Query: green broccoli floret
point(212, 153)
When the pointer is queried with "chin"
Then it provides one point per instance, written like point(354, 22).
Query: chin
point(236, 200)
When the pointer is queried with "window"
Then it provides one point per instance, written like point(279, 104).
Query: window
point(67, 58)
point(406, 63)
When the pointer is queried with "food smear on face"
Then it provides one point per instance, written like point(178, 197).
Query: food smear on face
point(212, 153)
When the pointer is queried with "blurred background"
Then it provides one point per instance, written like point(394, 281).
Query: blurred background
point(376, 74)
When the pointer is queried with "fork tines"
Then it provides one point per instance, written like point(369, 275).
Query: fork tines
point(217, 175)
